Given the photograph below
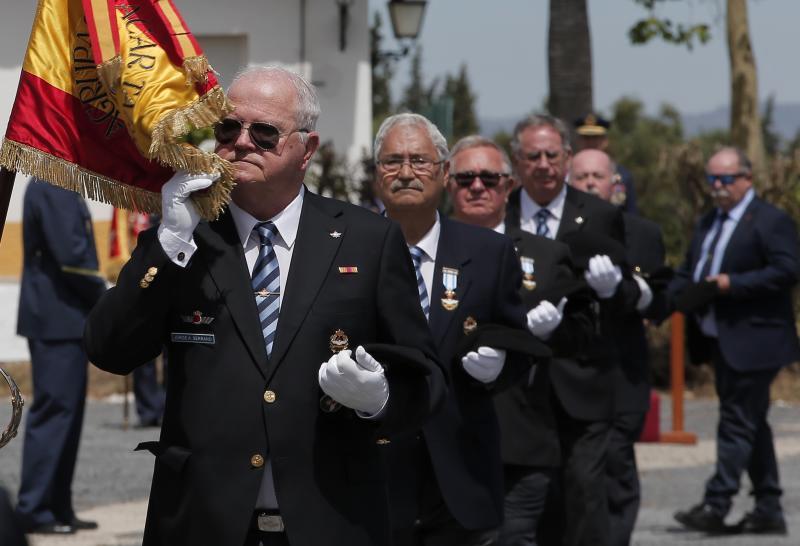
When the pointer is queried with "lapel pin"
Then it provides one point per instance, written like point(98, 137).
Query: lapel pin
point(470, 324)
point(197, 318)
point(335, 234)
point(579, 220)
point(450, 282)
point(527, 272)
point(348, 269)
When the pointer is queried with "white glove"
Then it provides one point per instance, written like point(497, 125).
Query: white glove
point(545, 317)
point(484, 365)
point(179, 215)
point(603, 276)
point(646, 297)
point(359, 384)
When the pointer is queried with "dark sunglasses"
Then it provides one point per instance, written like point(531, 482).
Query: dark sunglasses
point(488, 179)
point(725, 179)
point(263, 135)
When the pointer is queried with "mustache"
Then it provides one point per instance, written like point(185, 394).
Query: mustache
point(398, 185)
point(720, 193)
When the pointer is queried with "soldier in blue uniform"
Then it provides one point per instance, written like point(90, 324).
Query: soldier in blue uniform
point(60, 284)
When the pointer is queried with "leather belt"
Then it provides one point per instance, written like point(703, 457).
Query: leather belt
point(269, 523)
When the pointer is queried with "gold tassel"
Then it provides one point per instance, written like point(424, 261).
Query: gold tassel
point(196, 69)
point(59, 172)
point(110, 73)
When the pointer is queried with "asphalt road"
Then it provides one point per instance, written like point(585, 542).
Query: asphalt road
point(112, 482)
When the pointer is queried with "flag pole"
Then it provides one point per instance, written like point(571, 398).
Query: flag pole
point(6, 185)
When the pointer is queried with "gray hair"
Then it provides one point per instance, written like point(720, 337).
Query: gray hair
point(477, 141)
point(541, 120)
point(308, 109)
point(409, 118)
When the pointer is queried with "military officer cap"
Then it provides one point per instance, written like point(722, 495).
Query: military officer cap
point(592, 125)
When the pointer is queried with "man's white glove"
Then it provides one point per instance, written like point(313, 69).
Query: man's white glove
point(545, 317)
point(646, 297)
point(358, 384)
point(485, 364)
point(179, 215)
point(603, 276)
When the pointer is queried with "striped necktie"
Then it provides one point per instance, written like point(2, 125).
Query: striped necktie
point(541, 218)
point(266, 282)
point(416, 256)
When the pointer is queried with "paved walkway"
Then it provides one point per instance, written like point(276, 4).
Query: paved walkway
point(112, 482)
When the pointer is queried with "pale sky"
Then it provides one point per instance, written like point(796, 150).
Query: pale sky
point(504, 43)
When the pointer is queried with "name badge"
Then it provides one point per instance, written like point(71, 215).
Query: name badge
point(180, 337)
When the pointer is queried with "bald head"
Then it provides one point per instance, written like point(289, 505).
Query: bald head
point(593, 171)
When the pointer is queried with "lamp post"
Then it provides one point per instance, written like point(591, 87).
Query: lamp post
point(406, 16)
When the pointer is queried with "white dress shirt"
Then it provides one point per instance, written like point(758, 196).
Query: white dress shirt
point(286, 221)
point(528, 209)
point(428, 244)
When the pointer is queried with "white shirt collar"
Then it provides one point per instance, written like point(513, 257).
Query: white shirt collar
point(737, 211)
point(286, 220)
point(529, 207)
point(501, 227)
point(430, 241)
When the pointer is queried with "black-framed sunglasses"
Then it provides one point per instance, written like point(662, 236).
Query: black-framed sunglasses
point(489, 179)
point(725, 179)
point(264, 135)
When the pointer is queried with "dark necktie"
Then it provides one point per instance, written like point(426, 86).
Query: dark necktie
point(416, 257)
point(541, 218)
point(266, 282)
point(712, 248)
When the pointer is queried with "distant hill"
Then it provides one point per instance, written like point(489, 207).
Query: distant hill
point(786, 121)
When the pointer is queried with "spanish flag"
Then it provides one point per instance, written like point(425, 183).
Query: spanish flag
point(109, 90)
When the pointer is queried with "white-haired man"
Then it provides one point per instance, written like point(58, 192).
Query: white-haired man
point(445, 481)
point(267, 439)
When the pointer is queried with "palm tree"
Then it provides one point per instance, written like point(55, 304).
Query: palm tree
point(569, 55)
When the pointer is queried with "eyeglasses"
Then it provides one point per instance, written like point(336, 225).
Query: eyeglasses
point(419, 164)
point(725, 179)
point(488, 179)
point(264, 135)
point(533, 157)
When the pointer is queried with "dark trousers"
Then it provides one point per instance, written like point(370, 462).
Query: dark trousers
point(11, 533)
point(580, 516)
point(148, 393)
point(435, 525)
point(623, 476)
point(526, 493)
point(52, 431)
point(744, 440)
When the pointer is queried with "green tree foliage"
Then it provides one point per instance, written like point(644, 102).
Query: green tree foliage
point(417, 97)
point(654, 27)
point(382, 73)
point(459, 90)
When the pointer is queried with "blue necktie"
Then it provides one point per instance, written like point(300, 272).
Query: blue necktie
point(541, 218)
point(267, 283)
point(416, 256)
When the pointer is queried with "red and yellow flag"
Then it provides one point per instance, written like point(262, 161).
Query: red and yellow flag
point(108, 90)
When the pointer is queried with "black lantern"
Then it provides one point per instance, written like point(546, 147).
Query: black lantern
point(406, 17)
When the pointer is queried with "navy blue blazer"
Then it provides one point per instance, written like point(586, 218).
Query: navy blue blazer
point(60, 278)
point(463, 439)
point(755, 320)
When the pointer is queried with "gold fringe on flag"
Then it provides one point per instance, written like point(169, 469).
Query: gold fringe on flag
point(27, 160)
point(110, 73)
point(196, 69)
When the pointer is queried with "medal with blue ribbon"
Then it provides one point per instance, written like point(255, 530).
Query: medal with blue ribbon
point(527, 272)
point(450, 282)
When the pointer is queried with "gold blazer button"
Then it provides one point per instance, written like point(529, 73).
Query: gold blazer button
point(269, 397)
point(257, 461)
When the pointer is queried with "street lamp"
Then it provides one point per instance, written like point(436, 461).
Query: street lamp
point(406, 16)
